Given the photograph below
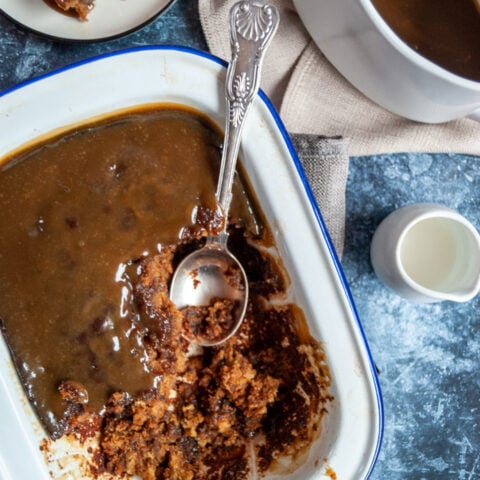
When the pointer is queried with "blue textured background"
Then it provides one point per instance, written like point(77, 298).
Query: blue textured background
point(428, 355)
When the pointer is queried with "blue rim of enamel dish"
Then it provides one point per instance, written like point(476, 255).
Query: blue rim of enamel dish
point(306, 185)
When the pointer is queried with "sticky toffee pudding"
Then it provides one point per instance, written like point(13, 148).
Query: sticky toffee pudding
point(94, 222)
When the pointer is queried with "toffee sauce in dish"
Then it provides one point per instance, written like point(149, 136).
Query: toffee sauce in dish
point(93, 222)
point(76, 213)
point(447, 32)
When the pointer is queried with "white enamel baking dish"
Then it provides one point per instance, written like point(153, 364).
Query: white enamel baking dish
point(352, 429)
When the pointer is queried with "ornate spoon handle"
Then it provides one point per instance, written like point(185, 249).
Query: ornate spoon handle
point(252, 26)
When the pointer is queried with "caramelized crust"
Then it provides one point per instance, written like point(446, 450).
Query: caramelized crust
point(215, 412)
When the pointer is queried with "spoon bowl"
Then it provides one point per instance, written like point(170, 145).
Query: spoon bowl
point(212, 277)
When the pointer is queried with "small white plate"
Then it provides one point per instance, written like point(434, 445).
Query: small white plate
point(352, 429)
point(109, 19)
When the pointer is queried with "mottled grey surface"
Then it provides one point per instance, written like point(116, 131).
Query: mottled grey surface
point(428, 355)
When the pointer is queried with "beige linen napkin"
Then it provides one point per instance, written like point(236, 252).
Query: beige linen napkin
point(313, 98)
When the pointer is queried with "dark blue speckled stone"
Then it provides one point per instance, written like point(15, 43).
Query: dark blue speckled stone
point(428, 355)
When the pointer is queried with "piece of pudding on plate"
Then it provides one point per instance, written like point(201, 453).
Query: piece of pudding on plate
point(80, 8)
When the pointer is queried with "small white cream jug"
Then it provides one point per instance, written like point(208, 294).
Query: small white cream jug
point(427, 253)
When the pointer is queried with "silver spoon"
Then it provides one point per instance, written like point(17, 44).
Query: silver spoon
point(212, 272)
